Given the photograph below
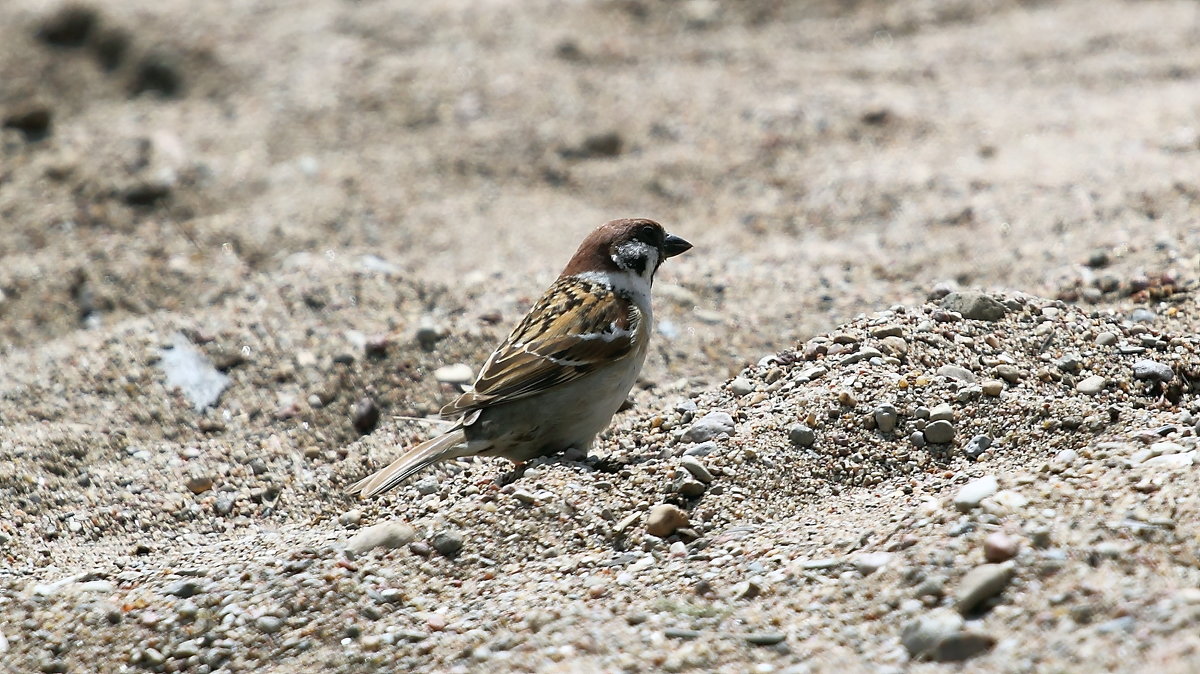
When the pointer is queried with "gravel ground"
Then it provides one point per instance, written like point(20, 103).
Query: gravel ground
point(925, 391)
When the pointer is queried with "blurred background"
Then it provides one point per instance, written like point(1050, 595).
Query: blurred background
point(827, 158)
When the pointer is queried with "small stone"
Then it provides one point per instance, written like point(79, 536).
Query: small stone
point(1142, 315)
point(429, 334)
point(802, 436)
point(764, 638)
point(690, 488)
point(389, 535)
point(458, 374)
point(886, 418)
point(870, 562)
point(664, 519)
point(922, 635)
point(992, 387)
point(1091, 385)
point(269, 624)
point(847, 399)
point(679, 633)
point(957, 373)
point(709, 427)
point(942, 412)
point(697, 469)
point(524, 497)
point(969, 497)
point(963, 646)
point(188, 369)
point(882, 331)
point(974, 306)
point(895, 347)
point(1000, 547)
point(186, 649)
point(366, 416)
point(1106, 338)
point(977, 446)
point(350, 518)
point(1070, 362)
point(198, 484)
point(1010, 373)
point(702, 449)
point(980, 584)
point(939, 432)
point(1154, 371)
point(449, 542)
point(1004, 502)
point(813, 373)
point(182, 589)
point(741, 386)
point(917, 438)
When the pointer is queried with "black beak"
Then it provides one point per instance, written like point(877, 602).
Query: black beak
point(673, 245)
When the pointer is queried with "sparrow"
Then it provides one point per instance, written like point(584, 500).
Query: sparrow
point(559, 378)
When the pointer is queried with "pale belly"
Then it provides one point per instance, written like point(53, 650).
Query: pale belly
point(566, 417)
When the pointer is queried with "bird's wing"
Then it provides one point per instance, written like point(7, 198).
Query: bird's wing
point(576, 327)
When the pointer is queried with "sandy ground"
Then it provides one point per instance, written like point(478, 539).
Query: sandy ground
point(334, 199)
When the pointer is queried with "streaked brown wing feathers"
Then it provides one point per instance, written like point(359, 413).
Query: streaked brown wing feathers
point(575, 327)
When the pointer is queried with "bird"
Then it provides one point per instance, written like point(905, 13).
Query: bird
point(557, 380)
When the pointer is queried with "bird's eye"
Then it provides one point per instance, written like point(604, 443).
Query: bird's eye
point(647, 234)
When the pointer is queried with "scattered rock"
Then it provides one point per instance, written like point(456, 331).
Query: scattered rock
point(1154, 371)
point(764, 638)
point(366, 416)
point(1000, 547)
point(697, 469)
point(969, 497)
point(886, 418)
point(992, 387)
point(384, 535)
point(977, 446)
point(665, 519)
point(802, 436)
point(449, 542)
point(942, 412)
point(709, 427)
point(1091, 385)
point(980, 584)
point(870, 562)
point(190, 371)
point(957, 373)
point(198, 484)
point(975, 306)
point(741, 386)
point(458, 374)
point(939, 432)
point(922, 635)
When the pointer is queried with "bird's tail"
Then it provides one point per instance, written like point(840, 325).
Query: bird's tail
point(413, 461)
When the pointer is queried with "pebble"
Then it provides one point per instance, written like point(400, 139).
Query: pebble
point(1010, 373)
point(269, 624)
point(980, 584)
point(963, 646)
point(697, 469)
point(939, 432)
point(1142, 315)
point(802, 436)
point(1091, 385)
point(458, 373)
point(701, 449)
point(957, 373)
point(882, 331)
point(972, 494)
point(886, 418)
point(393, 534)
point(350, 518)
point(1151, 370)
point(922, 635)
point(975, 306)
point(813, 373)
point(741, 386)
point(1106, 338)
point(977, 446)
point(992, 387)
point(942, 412)
point(1004, 502)
point(449, 542)
point(764, 638)
point(1000, 547)
point(1070, 362)
point(895, 347)
point(365, 416)
point(198, 484)
point(665, 519)
point(189, 370)
point(917, 438)
point(870, 562)
point(709, 427)
point(182, 589)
